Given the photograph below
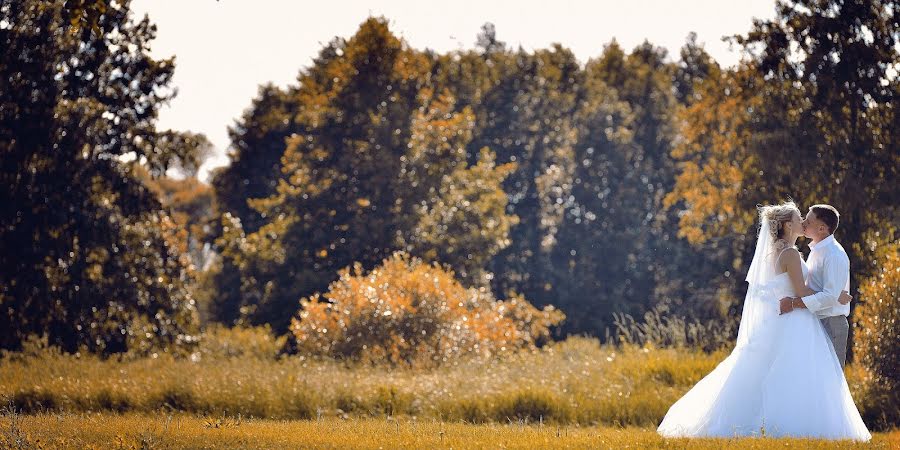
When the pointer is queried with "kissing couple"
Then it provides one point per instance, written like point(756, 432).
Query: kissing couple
point(785, 375)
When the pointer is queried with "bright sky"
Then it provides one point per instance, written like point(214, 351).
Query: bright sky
point(225, 49)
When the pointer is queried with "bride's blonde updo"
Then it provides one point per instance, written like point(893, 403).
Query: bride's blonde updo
point(777, 216)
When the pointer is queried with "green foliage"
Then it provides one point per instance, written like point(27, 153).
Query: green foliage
point(459, 216)
point(87, 254)
point(258, 142)
point(497, 163)
point(606, 189)
point(617, 250)
point(388, 148)
point(525, 117)
point(825, 107)
point(808, 115)
point(377, 167)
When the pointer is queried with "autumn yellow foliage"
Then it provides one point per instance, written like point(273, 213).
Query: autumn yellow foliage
point(713, 158)
point(877, 335)
point(413, 313)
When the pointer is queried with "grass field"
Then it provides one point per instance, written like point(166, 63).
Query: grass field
point(576, 381)
point(104, 430)
point(576, 393)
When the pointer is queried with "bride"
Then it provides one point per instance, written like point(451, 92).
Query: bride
point(783, 377)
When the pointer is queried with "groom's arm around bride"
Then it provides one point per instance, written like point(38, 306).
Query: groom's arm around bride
point(829, 266)
point(829, 277)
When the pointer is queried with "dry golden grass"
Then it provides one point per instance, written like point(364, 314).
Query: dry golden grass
point(575, 394)
point(110, 431)
point(576, 381)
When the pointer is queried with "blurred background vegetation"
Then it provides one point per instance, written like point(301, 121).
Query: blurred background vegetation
point(488, 200)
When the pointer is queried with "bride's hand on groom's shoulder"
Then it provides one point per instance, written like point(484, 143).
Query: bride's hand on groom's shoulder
point(845, 298)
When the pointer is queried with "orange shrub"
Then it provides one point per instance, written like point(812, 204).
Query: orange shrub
point(408, 312)
point(877, 332)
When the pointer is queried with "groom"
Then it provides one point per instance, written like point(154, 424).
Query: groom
point(829, 274)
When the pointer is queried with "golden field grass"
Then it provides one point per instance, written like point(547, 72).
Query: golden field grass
point(576, 381)
point(131, 431)
point(597, 396)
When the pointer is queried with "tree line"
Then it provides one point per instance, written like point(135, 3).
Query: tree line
point(613, 186)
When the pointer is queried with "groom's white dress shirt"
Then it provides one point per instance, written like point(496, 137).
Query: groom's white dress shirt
point(829, 274)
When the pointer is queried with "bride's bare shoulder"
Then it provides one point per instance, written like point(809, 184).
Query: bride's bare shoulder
point(790, 255)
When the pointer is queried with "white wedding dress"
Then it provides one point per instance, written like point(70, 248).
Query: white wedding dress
point(805, 392)
point(782, 380)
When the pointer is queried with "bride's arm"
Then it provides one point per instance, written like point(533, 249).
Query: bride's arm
point(790, 262)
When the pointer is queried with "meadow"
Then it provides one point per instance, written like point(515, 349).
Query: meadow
point(576, 381)
point(129, 431)
point(573, 393)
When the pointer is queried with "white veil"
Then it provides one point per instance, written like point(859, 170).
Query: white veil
point(762, 269)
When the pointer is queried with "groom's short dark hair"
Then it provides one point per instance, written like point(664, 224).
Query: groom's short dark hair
point(828, 215)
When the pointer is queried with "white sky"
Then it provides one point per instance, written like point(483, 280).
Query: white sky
point(225, 49)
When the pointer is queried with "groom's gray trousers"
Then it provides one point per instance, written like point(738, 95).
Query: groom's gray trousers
point(838, 329)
